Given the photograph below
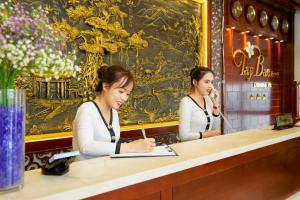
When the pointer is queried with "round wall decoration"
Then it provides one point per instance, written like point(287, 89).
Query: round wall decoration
point(274, 23)
point(285, 26)
point(251, 13)
point(263, 18)
point(236, 9)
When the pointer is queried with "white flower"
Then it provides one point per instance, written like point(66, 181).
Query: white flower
point(249, 49)
point(9, 56)
point(77, 68)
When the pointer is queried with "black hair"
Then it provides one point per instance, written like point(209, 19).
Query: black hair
point(112, 74)
point(198, 72)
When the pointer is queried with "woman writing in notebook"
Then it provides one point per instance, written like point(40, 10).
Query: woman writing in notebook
point(199, 111)
point(96, 128)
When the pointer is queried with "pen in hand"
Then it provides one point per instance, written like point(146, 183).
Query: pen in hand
point(144, 133)
point(149, 142)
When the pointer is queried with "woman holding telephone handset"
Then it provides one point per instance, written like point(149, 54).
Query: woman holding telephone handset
point(199, 111)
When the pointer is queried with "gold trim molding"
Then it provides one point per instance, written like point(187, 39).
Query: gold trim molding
point(203, 54)
point(53, 136)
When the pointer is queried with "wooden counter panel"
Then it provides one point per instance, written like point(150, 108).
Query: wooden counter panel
point(271, 177)
point(266, 173)
point(155, 189)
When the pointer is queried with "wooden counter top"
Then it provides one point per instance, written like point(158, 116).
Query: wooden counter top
point(100, 175)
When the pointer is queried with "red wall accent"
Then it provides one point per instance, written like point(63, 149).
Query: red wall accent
point(241, 112)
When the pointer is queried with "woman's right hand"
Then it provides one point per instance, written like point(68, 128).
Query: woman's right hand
point(138, 146)
point(211, 133)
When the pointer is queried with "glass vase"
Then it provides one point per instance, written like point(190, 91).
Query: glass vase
point(12, 131)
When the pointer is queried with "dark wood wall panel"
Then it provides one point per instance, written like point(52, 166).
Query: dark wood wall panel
point(244, 105)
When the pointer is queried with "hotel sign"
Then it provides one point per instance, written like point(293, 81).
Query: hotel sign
point(240, 56)
point(262, 84)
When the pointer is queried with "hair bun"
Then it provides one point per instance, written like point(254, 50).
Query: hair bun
point(198, 72)
point(102, 70)
point(193, 71)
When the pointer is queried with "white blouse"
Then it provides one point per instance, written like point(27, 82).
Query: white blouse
point(193, 119)
point(90, 134)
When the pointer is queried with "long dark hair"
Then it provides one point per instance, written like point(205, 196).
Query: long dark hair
point(112, 74)
point(197, 73)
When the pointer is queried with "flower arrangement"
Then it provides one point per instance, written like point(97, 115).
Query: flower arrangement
point(28, 43)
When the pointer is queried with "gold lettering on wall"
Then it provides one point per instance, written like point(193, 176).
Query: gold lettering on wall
point(240, 58)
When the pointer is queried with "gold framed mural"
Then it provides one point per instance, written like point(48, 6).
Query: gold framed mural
point(159, 41)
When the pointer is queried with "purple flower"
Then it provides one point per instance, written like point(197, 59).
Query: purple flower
point(20, 26)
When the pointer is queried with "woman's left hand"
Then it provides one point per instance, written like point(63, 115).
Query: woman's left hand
point(215, 97)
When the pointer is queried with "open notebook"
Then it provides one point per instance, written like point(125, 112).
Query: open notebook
point(158, 151)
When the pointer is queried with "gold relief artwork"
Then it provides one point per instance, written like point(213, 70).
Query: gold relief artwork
point(158, 41)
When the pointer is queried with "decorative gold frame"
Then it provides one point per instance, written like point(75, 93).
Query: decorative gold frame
point(251, 13)
point(204, 28)
point(60, 135)
point(263, 18)
point(285, 25)
point(35, 138)
point(274, 23)
point(236, 9)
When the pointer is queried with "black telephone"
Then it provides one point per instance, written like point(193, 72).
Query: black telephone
point(59, 164)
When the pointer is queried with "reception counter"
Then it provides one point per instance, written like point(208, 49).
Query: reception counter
point(254, 164)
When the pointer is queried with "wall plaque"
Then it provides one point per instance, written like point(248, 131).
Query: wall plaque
point(236, 9)
point(263, 18)
point(251, 13)
point(274, 23)
point(158, 41)
point(285, 26)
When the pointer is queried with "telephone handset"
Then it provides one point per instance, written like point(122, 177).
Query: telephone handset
point(212, 94)
point(212, 98)
point(58, 164)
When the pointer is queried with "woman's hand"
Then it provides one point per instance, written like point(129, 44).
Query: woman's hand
point(211, 133)
point(215, 98)
point(138, 146)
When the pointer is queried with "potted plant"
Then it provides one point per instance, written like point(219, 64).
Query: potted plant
point(28, 44)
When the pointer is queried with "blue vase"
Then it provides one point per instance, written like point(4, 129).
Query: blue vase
point(12, 131)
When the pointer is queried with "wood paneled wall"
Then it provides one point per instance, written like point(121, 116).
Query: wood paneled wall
point(244, 105)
